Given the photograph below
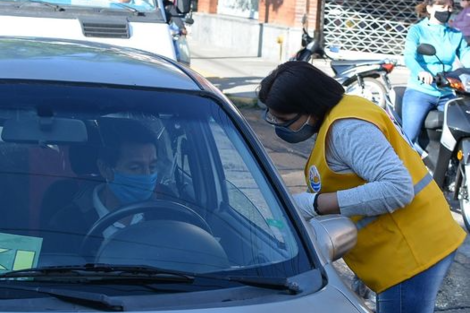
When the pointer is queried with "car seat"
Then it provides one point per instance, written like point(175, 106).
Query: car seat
point(82, 161)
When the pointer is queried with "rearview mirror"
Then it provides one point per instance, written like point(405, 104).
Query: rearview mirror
point(429, 50)
point(189, 20)
point(426, 49)
point(44, 130)
point(184, 6)
point(304, 19)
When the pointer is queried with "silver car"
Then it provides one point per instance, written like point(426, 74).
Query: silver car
point(130, 183)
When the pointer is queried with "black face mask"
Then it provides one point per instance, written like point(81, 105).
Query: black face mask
point(442, 16)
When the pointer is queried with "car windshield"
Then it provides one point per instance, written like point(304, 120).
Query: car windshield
point(141, 5)
point(129, 177)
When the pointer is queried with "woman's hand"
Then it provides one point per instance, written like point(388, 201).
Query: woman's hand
point(304, 201)
point(327, 203)
point(425, 77)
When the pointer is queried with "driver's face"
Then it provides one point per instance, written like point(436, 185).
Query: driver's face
point(137, 159)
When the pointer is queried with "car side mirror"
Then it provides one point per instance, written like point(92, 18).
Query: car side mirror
point(189, 20)
point(426, 49)
point(184, 6)
point(335, 234)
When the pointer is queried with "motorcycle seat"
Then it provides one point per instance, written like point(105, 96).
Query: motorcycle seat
point(434, 120)
point(354, 63)
point(341, 66)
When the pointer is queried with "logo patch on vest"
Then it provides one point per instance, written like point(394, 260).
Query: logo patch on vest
point(314, 179)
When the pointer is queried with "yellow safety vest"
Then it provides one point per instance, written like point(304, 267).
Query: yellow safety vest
point(391, 247)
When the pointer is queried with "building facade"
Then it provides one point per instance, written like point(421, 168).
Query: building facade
point(273, 28)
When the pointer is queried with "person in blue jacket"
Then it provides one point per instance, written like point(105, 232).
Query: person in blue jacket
point(422, 94)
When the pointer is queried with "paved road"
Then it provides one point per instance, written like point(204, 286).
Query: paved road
point(239, 76)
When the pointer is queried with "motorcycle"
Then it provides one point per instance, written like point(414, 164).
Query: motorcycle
point(366, 78)
point(445, 136)
point(180, 43)
point(178, 31)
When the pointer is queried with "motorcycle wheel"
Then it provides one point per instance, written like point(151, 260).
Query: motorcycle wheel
point(464, 197)
point(373, 90)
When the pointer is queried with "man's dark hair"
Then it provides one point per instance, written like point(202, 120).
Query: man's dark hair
point(115, 132)
point(299, 87)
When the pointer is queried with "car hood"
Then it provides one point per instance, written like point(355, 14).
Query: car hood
point(80, 61)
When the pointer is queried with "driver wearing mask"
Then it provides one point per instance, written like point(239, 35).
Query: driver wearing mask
point(127, 163)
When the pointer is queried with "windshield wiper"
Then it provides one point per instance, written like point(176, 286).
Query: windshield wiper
point(100, 272)
point(262, 282)
point(93, 300)
point(129, 8)
point(127, 273)
point(120, 274)
point(45, 3)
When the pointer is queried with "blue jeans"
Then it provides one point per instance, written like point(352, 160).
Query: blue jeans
point(417, 294)
point(416, 105)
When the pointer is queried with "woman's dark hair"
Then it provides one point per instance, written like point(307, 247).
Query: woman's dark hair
point(422, 11)
point(299, 87)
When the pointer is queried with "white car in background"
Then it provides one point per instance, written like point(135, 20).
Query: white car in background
point(140, 24)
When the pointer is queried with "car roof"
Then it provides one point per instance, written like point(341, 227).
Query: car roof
point(87, 62)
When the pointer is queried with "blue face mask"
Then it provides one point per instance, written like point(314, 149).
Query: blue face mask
point(291, 136)
point(132, 188)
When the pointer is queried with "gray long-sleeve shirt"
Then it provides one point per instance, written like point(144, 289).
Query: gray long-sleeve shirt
point(389, 185)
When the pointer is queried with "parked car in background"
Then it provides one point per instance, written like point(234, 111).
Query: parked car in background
point(217, 231)
point(140, 24)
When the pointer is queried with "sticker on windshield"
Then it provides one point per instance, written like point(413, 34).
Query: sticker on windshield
point(18, 252)
point(275, 223)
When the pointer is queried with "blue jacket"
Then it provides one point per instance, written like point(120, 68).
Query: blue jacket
point(449, 44)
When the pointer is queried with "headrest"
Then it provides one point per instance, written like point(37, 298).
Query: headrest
point(83, 157)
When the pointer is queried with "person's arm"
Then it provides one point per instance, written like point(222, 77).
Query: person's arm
point(389, 185)
point(458, 20)
point(463, 52)
point(410, 55)
point(462, 21)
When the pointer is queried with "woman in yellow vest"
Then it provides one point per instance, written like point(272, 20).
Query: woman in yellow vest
point(363, 167)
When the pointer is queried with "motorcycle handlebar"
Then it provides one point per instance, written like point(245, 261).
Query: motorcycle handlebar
point(452, 79)
point(443, 77)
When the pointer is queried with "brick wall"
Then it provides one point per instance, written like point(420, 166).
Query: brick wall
point(207, 6)
point(280, 12)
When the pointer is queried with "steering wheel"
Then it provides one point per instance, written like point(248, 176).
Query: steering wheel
point(159, 209)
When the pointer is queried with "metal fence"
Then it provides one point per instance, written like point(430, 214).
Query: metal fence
point(374, 26)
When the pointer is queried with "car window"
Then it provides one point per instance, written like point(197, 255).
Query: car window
point(135, 177)
point(244, 193)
